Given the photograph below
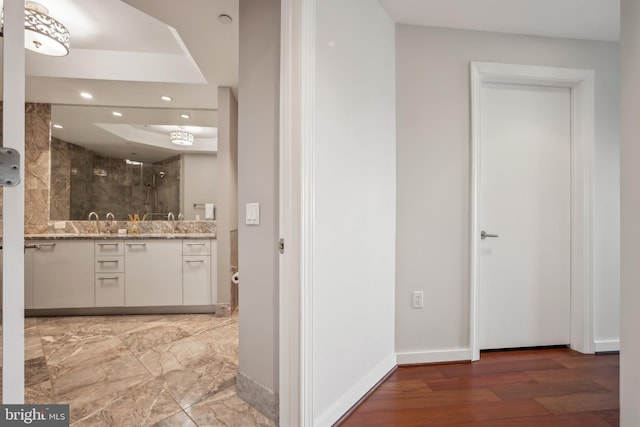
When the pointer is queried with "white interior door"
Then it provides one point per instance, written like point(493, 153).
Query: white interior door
point(524, 289)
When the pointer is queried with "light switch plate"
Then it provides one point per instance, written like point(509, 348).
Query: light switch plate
point(252, 214)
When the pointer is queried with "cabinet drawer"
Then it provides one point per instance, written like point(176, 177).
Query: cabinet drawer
point(109, 248)
point(196, 247)
point(110, 290)
point(113, 264)
point(196, 280)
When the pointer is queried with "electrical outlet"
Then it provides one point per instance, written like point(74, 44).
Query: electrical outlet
point(418, 299)
point(59, 225)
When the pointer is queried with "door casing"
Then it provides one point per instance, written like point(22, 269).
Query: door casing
point(581, 84)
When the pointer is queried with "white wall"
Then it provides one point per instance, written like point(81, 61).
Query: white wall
point(354, 199)
point(434, 178)
point(630, 351)
point(198, 183)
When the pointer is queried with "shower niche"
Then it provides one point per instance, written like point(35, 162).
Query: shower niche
point(83, 181)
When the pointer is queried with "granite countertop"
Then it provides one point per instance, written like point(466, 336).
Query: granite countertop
point(116, 236)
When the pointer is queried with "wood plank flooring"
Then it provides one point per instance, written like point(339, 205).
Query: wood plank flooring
point(554, 387)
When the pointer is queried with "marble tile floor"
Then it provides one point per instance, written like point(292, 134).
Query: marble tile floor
point(143, 370)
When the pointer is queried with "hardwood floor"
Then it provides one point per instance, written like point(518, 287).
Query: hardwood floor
point(522, 388)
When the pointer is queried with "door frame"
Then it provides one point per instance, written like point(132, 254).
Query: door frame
point(581, 84)
point(296, 205)
point(13, 207)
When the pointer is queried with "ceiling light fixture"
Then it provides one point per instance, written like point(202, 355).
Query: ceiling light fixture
point(58, 126)
point(185, 116)
point(117, 114)
point(43, 34)
point(165, 98)
point(86, 95)
point(181, 137)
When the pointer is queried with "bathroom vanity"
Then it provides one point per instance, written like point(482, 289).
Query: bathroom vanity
point(121, 274)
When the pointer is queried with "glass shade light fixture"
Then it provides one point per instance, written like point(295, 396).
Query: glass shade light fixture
point(43, 34)
point(181, 137)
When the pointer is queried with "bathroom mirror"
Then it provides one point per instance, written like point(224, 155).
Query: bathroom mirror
point(121, 159)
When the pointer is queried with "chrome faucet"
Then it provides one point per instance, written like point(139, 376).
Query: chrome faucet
point(97, 218)
point(171, 218)
point(111, 218)
point(180, 216)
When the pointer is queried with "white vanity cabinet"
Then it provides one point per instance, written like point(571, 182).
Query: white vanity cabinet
point(112, 273)
point(61, 274)
point(153, 272)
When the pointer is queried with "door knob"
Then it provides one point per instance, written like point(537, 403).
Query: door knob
point(484, 235)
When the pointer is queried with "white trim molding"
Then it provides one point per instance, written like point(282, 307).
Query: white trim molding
point(582, 84)
point(13, 208)
point(603, 346)
point(435, 356)
point(297, 85)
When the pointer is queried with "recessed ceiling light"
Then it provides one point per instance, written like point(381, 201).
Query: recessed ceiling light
point(185, 116)
point(165, 98)
point(224, 19)
point(117, 113)
point(58, 126)
point(86, 95)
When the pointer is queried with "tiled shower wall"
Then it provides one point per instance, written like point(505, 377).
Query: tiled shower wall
point(36, 158)
point(83, 181)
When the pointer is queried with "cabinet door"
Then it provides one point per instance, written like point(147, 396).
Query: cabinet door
point(63, 274)
point(196, 280)
point(214, 272)
point(28, 277)
point(153, 273)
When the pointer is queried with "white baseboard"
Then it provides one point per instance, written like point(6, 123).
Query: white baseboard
point(452, 355)
point(346, 401)
point(607, 345)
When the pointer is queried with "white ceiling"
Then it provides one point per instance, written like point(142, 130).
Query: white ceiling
point(128, 53)
point(579, 19)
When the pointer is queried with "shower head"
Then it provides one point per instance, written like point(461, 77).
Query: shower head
point(162, 174)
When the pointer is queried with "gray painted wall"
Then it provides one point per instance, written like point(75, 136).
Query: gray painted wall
point(630, 351)
point(258, 139)
point(227, 182)
point(198, 183)
point(434, 174)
